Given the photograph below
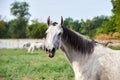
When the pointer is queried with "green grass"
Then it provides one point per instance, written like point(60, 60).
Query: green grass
point(115, 47)
point(17, 64)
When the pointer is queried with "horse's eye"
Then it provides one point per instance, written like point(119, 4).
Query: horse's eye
point(59, 34)
point(45, 33)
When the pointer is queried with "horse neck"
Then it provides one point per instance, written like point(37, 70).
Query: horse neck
point(76, 59)
point(72, 54)
point(77, 55)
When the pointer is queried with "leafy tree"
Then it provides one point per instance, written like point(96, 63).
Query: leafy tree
point(36, 30)
point(96, 25)
point(18, 26)
point(69, 22)
point(83, 27)
point(116, 14)
point(112, 26)
point(3, 29)
point(88, 27)
point(91, 27)
point(20, 10)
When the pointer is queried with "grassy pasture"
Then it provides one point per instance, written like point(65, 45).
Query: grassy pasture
point(17, 64)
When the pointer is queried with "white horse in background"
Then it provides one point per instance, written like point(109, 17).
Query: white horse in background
point(26, 45)
point(89, 60)
point(36, 45)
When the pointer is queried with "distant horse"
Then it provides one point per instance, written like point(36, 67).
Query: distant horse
point(26, 45)
point(36, 45)
point(89, 60)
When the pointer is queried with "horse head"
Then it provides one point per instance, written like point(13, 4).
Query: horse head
point(53, 36)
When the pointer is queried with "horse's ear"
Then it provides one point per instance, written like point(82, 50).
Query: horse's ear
point(48, 21)
point(61, 20)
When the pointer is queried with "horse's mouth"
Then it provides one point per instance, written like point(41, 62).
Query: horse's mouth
point(50, 53)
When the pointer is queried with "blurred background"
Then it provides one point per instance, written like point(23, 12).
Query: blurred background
point(27, 18)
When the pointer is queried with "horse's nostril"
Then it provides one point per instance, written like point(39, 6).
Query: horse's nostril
point(53, 50)
point(49, 50)
point(46, 49)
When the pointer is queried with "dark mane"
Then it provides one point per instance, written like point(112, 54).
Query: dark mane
point(77, 41)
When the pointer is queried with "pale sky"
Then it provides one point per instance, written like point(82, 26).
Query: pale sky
point(76, 9)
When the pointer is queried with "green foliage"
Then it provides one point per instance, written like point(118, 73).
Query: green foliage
point(3, 29)
point(69, 22)
point(36, 30)
point(20, 9)
point(17, 27)
point(114, 47)
point(99, 24)
point(116, 14)
point(95, 24)
point(108, 27)
point(116, 7)
point(88, 27)
point(17, 64)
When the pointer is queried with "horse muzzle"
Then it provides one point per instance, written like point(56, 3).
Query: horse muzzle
point(50, 53)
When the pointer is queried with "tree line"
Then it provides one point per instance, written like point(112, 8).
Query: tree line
point(20, 28)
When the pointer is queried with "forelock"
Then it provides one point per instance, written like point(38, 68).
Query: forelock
point(54, 23)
